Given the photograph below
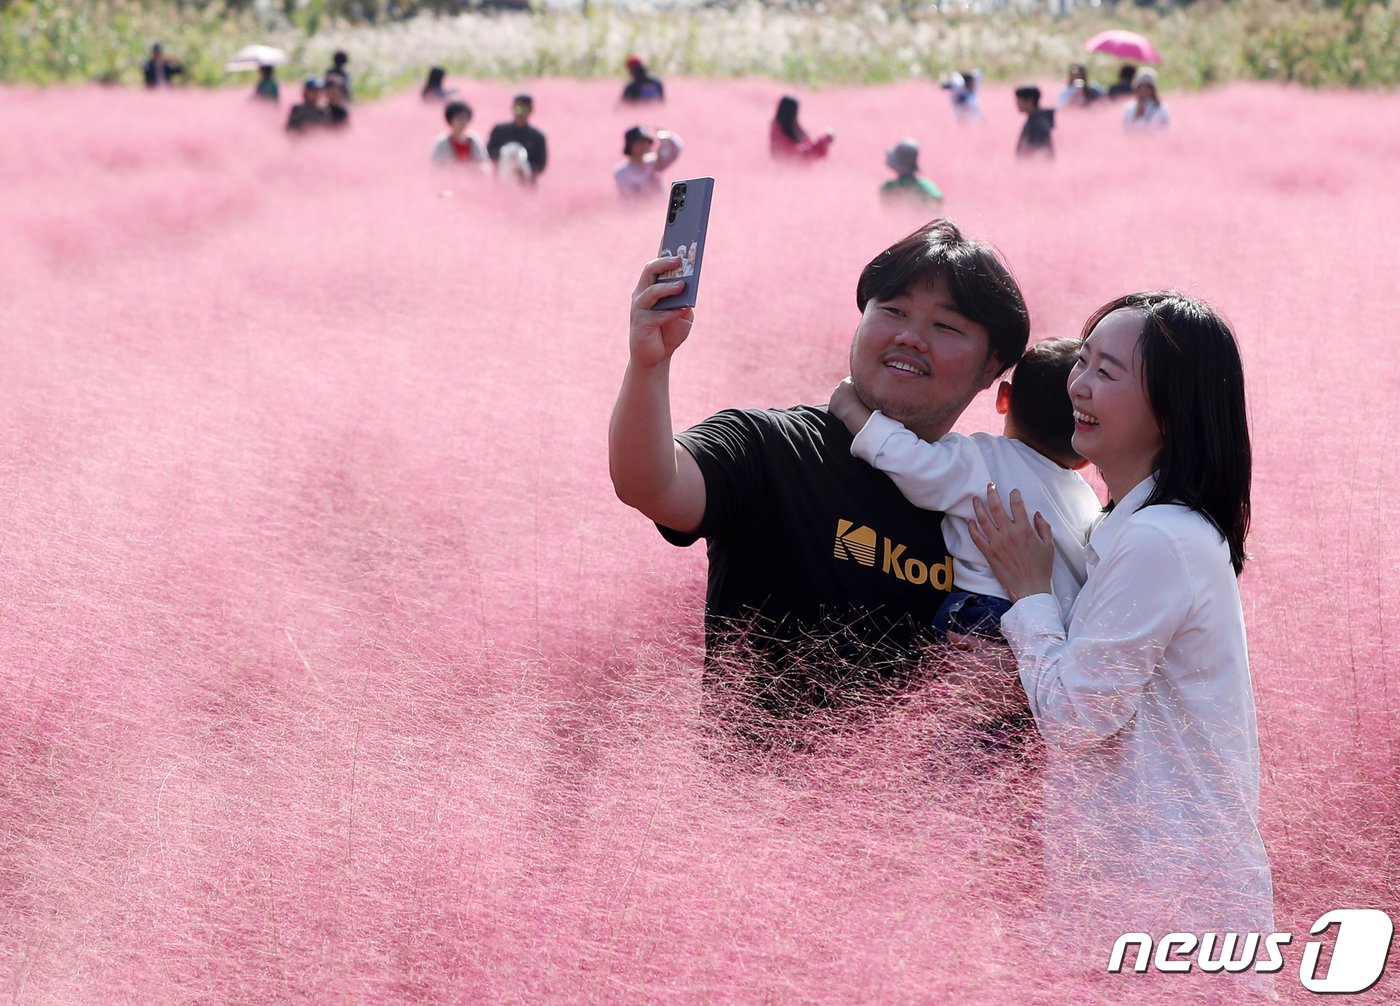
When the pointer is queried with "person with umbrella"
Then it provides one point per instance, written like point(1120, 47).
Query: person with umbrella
point(262, 58)
point(1146, 111)
point(267, 89)
point(1124, 87)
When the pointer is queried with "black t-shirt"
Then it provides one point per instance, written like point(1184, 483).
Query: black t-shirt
point(817, 563)
point(527, 136)
point(644, 89)
point(1035, 134)
point(304, 116)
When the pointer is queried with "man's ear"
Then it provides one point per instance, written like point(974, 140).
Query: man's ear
point(991, 369)
point(1004, 398)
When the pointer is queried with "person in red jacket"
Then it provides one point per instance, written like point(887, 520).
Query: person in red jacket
point(787, 139)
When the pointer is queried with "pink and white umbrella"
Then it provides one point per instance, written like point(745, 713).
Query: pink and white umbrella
point(1124, 44)
point(250, 57)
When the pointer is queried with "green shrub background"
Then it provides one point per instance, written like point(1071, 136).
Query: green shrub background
point(1343, 44)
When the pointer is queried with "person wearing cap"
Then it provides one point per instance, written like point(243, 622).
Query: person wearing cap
point(903, 159)
point(1146, 111)
point(1035, 134)
point(519, 130)
point(160, 70)
point(314, 109)
point(647, 155)
point(459, 145)
point(643, 86)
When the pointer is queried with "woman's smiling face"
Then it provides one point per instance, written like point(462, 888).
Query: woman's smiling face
point(1114, 425)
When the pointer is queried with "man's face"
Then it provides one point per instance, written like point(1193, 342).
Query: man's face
point(917, 360)
point(522, 112)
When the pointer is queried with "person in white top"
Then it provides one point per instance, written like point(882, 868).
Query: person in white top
point(459, 145)
point(967, 104)
point(1143, 693)
point(1146, 110)
point(1033, 454)
point(640, 174)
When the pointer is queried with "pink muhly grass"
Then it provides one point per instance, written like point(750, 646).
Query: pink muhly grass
point(334, 671)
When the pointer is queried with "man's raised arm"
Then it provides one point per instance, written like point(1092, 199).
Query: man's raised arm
point(650, 471)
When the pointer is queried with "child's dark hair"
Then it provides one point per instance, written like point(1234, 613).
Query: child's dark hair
point(456, 108)
point(1029, 91)
point(1195, 384)
point(1040, 405)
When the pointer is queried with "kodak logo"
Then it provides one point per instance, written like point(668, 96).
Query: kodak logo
point(863, 544)
point(856, 543)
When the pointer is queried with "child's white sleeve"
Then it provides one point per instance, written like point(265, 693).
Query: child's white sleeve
point(942, 476)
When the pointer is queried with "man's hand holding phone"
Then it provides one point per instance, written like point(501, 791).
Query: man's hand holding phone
point(655, 334)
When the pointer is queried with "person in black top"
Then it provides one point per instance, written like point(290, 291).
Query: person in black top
point(519, 130)
point(160, 69)
point(821, 575)
point(1124, 87)
point(338, 63)
point(313, 111)
point(643, 86)
point(1035, 134)
point(336, 107)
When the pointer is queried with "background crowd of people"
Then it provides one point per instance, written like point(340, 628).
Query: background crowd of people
point(518, 150)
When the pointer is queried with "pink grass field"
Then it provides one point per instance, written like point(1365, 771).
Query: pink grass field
point(334, 672)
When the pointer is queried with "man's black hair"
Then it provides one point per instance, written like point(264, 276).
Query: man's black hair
point(981, 286)
point(1040, 405)
point(1029, 91)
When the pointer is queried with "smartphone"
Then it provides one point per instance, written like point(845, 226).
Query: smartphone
point(687, 218)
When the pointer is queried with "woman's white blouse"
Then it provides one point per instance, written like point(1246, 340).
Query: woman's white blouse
point(1146, 706)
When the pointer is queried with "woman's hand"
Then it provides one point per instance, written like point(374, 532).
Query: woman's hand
point(1019, 548)
point(654, 335)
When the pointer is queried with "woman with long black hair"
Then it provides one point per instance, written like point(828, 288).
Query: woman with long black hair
point(1143, 694)
point(786, 139)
